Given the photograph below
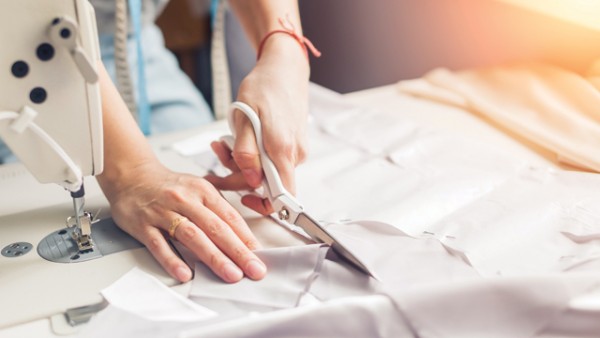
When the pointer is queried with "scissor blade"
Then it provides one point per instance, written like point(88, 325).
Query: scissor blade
point(316, 231)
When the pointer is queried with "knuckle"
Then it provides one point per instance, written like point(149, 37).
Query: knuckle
point(187, 233)
point(154, 244)
point(211, 197)
point(302, 154)
point(240, 254)
point(204, 185)
point(230, 217)
point(244, 160)
point(215, 260)
point(171, 264)
point(214, 229)
point(174, 195)
point(285, 148)
point(251, 244)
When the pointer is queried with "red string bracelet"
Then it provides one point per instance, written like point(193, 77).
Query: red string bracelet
point(289, 29)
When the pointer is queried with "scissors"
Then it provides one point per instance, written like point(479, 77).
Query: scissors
point(288, 208)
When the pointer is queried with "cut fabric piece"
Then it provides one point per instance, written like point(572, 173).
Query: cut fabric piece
point(552, 107)
point(399, 260)
point(338, 280)
point(518, 229)
point(142, 306)
point(141, 294)
point(491, 307)
point(290, 271)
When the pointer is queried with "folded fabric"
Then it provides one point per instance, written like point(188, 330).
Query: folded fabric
point(142, 306)
point(554, 108)
point(290, 272)
point(142, 294)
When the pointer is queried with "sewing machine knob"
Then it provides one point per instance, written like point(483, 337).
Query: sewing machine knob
point(63, 32)
point(20, 69)
point(38, 95)
point(45, 52)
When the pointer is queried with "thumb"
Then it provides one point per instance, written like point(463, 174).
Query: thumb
point(246, 156)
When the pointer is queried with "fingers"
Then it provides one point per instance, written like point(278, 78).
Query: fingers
point(234, 182)
point(287, 171)
point(156, 243)
point(206, 251)
point(246, 155)
point(258, 204)
point(224, 154)
point(229, 215)
point(223, 241)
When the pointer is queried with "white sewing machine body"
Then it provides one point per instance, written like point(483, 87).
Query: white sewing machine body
point(44, 75)
point(51, 119)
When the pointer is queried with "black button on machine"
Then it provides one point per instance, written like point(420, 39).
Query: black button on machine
point(20, 69)
point(45, 52)
point(38, 95)
point(65, 33)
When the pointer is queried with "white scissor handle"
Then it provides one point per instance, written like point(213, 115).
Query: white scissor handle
point(274, 186)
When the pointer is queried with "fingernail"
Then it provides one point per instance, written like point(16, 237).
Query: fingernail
point(183, 273)
point(232, 273)
point(252, 177)
point(256, 269)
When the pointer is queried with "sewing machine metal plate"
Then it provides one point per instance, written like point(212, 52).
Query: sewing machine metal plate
point(51, 288)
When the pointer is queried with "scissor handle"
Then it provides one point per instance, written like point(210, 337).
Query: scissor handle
point(272, 184)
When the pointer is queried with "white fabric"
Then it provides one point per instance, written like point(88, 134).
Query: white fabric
point(539, 221)
point(498, 307)
point(142, 306)
point(477, 241)
point(141, 294)
point(290, 272)
point(552, 107)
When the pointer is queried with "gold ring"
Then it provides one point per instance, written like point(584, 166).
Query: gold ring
point(174, 224)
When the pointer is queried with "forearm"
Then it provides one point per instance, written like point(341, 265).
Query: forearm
point(125, 147)
point(259, 17)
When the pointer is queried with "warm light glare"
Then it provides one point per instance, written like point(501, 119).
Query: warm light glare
point(582, 12)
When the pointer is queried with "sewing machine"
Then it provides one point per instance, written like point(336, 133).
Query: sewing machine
point(51, 119)
point(51, 116)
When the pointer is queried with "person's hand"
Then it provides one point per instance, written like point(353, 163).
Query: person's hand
point(150, 199)
point(277, 89)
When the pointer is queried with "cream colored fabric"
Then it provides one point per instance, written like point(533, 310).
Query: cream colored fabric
point(554, 108)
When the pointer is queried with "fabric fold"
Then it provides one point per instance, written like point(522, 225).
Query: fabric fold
point(547, 105)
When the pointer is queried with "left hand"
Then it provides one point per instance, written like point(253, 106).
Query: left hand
point(277, 89)
point(147, 201)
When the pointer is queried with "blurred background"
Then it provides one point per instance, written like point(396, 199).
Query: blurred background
point(372, 43)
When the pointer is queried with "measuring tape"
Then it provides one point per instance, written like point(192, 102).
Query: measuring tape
point(221, 83)
point(140, 108)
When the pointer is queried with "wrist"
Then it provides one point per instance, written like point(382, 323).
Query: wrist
point(118, 175)
point(286, 34)
point(286, 51)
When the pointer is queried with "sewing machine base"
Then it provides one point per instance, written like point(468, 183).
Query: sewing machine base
point(60, 247)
